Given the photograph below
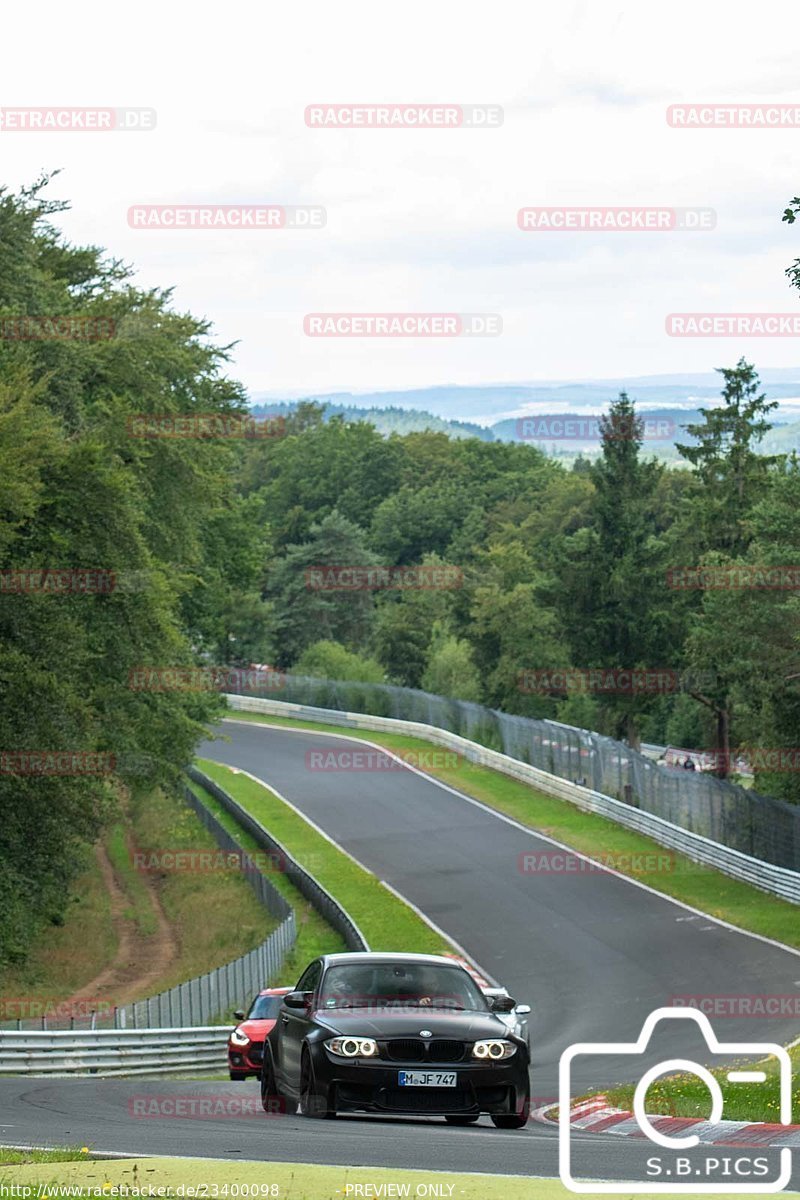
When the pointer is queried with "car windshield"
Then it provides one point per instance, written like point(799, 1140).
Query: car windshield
point(387, 985)
point(264, 1007)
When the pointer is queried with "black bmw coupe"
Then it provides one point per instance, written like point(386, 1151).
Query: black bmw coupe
point(395, 1033)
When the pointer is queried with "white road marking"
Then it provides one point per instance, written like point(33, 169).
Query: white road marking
point(698, 912)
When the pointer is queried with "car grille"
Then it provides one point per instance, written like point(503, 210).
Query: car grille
point(438, 1050)
point(256, 1051)
point(428, 1099)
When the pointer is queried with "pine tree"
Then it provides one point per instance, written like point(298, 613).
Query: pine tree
point(732, 472)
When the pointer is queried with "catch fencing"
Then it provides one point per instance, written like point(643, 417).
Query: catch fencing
point(757, 825)
point(780, 881)
point(313, 891)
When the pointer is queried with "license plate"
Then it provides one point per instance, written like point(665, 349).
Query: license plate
point(427, 1078)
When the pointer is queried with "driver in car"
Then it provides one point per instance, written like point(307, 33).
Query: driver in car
point(344, 988)
point(415, 985)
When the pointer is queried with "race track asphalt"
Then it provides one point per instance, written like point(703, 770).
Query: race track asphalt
point(593, 953)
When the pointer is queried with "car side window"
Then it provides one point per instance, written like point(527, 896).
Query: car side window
point(310, 978)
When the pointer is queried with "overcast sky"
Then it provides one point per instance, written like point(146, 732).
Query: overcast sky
point(426, 220)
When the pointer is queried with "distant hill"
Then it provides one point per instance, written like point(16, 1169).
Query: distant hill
point(488, 403)
point(558, 418)
point(386, 420)
point(663, 426)
point(782, 439)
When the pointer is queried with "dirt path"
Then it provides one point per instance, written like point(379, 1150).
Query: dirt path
point(139, 961)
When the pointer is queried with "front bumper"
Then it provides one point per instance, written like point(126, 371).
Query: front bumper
point(368, 1086)
point(246, 1058)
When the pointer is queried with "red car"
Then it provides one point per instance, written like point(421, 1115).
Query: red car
point(246, 1042)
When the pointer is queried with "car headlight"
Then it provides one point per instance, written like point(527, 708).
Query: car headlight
point(494, 1049)
point(238, 1038)
point(353, 1047)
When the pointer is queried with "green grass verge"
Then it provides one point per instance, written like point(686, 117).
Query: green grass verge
point(64, 957)
point(677, 876)
point(290, 1181)
point(140, 908)
point(215, 915)
point(11, 1158)
point(314, 935)
point(386, 922)
point(688, 1096)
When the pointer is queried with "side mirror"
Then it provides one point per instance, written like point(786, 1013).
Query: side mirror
point(238, 1014)
point(503, 1004)
point(523, 1009)
point(297, 999)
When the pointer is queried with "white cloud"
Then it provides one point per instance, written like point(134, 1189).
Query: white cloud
point(426, 220)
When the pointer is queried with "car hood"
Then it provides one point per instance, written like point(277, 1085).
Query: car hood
point(256, 1030)
point(465, 1026)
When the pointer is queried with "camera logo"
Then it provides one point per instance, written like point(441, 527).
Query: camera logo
point(685, 1174)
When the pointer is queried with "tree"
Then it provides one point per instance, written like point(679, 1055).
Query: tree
point(790, 215)
point(732, 473)
point(331, 660)
point(317, 468)
point(311, 600)
point(79, 493)
point(450, 670)
point(223, 611)
point(512, 628)
point(403, 626)
point(613, 600)
point(751, 634)
point(417, 520)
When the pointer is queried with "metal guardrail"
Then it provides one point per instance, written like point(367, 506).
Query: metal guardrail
point(779, 881)
point(114, 1051)
point(741, 818)
point(263, 887)
point(322, 900)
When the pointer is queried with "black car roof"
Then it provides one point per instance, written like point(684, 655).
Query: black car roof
point(383, 956)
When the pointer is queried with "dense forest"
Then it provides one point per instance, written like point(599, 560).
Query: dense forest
point(208, 535)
